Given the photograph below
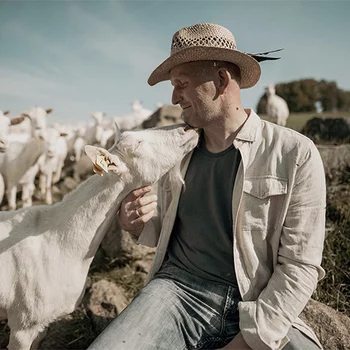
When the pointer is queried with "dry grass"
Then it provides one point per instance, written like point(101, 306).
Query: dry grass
point(124, 275)
point(334, 289)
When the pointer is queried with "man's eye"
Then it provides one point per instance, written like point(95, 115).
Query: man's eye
point(183, 85)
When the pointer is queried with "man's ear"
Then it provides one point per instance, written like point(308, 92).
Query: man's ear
point(224, 78)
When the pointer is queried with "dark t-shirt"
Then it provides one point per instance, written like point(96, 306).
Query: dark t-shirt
point(201, 241)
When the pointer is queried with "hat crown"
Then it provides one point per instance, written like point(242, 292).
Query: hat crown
point(207, 42)
point(203, 35)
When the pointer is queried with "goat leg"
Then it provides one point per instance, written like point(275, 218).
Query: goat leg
point(24, 338)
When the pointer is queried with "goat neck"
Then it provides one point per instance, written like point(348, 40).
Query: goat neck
point(89, 211)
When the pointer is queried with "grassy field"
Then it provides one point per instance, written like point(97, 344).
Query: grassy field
point(296, 121)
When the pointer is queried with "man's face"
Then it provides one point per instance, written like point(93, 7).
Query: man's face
point(194, 90)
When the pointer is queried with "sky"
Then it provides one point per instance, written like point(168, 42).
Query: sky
point(79, 57)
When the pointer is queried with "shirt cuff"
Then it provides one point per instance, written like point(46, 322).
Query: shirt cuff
point(256, 334)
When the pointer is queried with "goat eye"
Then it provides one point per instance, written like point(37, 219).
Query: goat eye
point(139, 143)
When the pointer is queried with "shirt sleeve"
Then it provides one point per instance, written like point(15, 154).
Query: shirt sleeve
point(264, 323)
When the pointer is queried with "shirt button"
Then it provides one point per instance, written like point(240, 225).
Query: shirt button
point(263, 193)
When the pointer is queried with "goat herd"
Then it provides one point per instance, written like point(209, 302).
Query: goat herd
point(30, 148)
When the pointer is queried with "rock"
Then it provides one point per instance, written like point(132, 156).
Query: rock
point(327, 130)
point(336, 158)
point(104, 301)
point(165, 115)
point(118, 245)
point(331, 327)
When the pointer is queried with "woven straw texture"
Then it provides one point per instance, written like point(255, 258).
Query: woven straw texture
point(206, 41)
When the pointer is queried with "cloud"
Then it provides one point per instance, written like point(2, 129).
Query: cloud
point(35, 53)
point(87, 60)
point(114, 41)
point(25, 85)
point(29, 90)
point(34, 39)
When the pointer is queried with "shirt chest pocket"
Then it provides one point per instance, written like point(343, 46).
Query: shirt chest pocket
point(262, 203)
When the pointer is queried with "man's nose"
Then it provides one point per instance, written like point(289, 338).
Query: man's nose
point(175, 99)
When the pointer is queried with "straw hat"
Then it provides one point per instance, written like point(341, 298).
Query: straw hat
point(207, 41)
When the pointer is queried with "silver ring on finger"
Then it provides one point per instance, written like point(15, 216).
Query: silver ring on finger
point(137, 213)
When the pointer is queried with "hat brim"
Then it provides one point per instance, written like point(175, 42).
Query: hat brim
point(249, 67)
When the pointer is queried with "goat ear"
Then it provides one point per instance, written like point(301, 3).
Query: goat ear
point(117, 132)
point(26, 115)
point(18, 120)
point(102, 160)
point(91, 152)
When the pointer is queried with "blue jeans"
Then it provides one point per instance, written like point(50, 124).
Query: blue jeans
point(176, 311)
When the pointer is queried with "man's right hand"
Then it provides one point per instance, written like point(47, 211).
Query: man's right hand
point(136, 209)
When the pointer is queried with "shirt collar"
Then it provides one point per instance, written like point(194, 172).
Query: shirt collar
point(250, 127)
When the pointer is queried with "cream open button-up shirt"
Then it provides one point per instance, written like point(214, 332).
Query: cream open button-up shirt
point(278, 211)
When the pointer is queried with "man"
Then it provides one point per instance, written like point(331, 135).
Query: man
point(239, 246)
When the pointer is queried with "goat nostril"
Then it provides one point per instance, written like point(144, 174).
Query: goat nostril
point(190, 127)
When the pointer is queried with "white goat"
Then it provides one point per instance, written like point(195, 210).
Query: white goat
point(94, 132)
point(49, 165)
point(76, 143)
point(135, 119)
point(4, 131)
point(62, 153)
point(28, 182)
point(23, 151)
point(276, 107)
point(46, 251)
point(5, 124)
point(2, 188)
point(78, 148)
